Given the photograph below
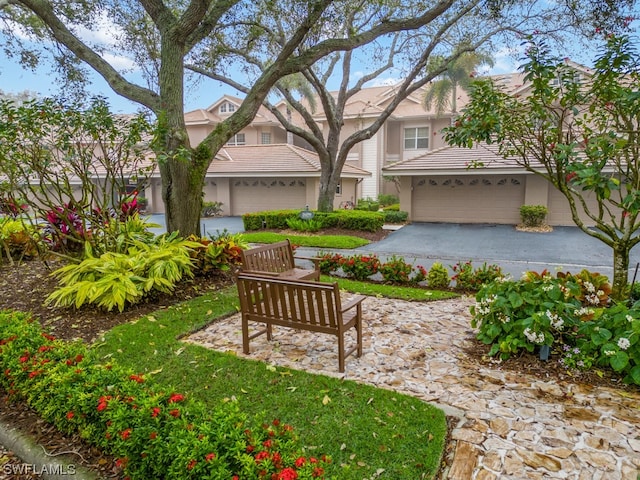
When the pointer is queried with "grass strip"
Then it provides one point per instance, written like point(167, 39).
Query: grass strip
point(389, 291)
point(316, 241)
point(368, 432)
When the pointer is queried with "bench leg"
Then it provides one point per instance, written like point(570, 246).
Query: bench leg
point(341, 353)
point(245, 336)
point(359, 329)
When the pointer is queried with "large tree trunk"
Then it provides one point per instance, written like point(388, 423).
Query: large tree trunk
point(182, 168)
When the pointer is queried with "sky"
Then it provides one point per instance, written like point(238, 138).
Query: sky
point(14, 78)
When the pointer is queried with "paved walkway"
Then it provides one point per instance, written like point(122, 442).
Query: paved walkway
point(511, 426)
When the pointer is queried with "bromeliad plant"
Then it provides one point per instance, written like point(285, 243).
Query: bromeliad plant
point(153, 433)
point(570, 313)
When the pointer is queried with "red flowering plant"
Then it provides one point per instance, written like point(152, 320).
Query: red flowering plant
point(360, 267)
point(153, 433)
point(329, 262)
point(396, 270)
point(276, 454)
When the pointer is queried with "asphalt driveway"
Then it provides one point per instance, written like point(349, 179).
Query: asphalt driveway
point(565, 248)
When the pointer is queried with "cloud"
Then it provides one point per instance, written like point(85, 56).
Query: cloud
point(506, 60)
point(104, 33)
point(383, 82)
point(119, 62)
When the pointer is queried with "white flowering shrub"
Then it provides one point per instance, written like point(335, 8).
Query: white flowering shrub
point(572, 314)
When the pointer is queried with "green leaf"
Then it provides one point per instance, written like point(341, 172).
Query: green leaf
point(635, 374)
point(619, 361)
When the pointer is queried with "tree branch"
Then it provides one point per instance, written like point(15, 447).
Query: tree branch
point(65, 37)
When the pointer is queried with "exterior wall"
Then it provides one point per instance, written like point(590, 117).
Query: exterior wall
point(537, 192)
point(371, 159)
point(197, 133)
point(156, 205)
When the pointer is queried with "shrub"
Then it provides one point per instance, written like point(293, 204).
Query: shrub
point(119, 279)
point(391, 216)
point(360, 267)
point(396, 270)
point(221, 252)
point(533, 215)
point(346, 219)
point(154, 433)
point(438, 276)
point(395, 207)
point(211, 209)
point(300, 225)
point(119, 236)
point(329, 262)
point(386, 199)
point(544, 310)
point(64, 229)
point(368, 204)
point(17, 240)
point(471, 279)
point(12, 208)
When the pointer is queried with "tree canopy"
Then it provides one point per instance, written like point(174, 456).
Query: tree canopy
point(159, 37)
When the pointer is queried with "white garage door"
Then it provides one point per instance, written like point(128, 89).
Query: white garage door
point(473, 199)
point(257, 194)
point(560, 213)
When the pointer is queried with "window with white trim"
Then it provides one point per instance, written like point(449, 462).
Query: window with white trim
point(416, 138)
point(265, 138)
point(339, 188)
point(227, 107)
point(237, 139)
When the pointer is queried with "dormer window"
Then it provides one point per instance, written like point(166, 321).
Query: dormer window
point(227, 107)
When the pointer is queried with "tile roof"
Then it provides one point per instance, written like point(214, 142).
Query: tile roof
point(210, 114)
point(269, 160)
point(448, 159)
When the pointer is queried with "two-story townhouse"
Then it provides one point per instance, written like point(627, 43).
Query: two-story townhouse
point(460, 185)
point(260, 168)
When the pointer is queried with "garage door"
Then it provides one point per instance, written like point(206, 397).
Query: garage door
point(257, 194)
point(560, 213)
point(473, 199)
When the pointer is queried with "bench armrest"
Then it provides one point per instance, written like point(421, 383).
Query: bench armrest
point(261, 273)
point(315, 260)
point(352, 302)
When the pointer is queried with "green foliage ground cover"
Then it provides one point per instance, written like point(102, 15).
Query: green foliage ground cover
point(362, 428)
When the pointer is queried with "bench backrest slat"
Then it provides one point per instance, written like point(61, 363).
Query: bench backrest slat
point(307, 303)
point(275, 257)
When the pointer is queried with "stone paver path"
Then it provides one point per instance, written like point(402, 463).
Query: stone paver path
point(512, 426)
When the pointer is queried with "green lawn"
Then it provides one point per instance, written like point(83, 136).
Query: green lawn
point(318, 241)
point(365, 430)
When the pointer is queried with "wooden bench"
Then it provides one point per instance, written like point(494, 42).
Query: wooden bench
point(300, 304)
point(278, 260)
